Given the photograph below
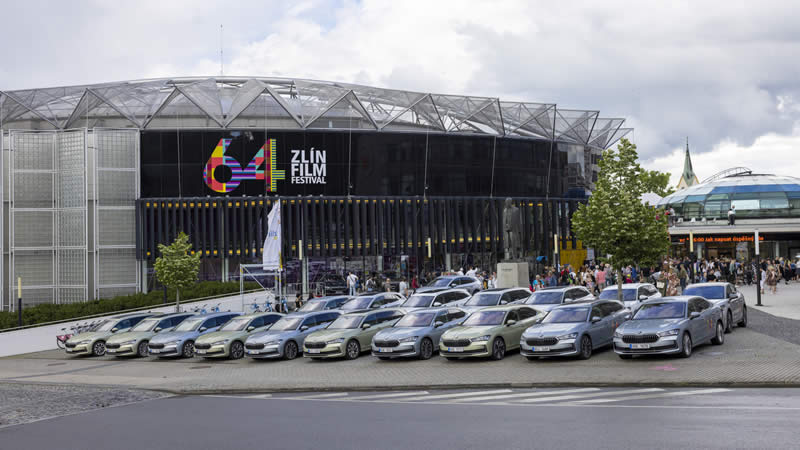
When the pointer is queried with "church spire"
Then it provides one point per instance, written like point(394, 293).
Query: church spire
point(688, 178)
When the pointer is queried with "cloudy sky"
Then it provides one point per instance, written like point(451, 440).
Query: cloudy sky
point(724, 73)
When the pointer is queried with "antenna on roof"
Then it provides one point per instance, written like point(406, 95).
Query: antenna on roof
point(221, 67)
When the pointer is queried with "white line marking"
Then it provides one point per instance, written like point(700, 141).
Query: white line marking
point(379, 396)
point(318, 396)
point(596, 394)
point(521, 394)
point(460, 394)
point(646, 396)
point(258, 396)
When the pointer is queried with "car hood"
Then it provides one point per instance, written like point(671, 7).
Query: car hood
point(91, 336)
point(718, 301)
point(173, 336)
point(327, 335)
point(469, 332)
point(553, 329)
point(426, 289)
point(543, 307)
point(219, 336)
point(399, 333)
point(266, 336)
point(651, 325)
point(127, 336)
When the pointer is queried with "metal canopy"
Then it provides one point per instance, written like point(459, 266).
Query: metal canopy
point(285, 103)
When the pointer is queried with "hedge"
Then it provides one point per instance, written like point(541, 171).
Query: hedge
point(51, 312)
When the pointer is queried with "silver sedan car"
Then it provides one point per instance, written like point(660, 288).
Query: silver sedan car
point(285, 338)
point(727, 297)
point(670, 325)
point(373, 301)
point(548, 298)
point(416, 334)
point(633, 294)
point(435, 298)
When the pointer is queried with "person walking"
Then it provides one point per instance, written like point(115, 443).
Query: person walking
point(403, 287)
point(772, 278)
point(370, 284)
point(683, 276)
point(672, 282)
point(732, 216)
point(352, 280)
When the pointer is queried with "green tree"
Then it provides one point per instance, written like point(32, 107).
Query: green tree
point(176, 267)
point(615, 221)
point(657, 182)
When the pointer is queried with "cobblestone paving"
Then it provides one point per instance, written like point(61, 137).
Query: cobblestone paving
point(23, 403)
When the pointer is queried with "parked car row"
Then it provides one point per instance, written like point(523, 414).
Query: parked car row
point(558, 322)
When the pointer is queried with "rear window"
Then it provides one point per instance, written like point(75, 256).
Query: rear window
point(628, 295)
point(484, 299)
point(545, 298)
point(715, 292)
point(672, 310)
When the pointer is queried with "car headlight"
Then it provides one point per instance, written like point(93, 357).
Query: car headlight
point(81, 342)
point(220, 342)
point(335, 341)
point(567, 336)
point(128, 342)
point(273, 342)
point(669, 333)
point(480, 338)
point(617, 333)
point(410, 339)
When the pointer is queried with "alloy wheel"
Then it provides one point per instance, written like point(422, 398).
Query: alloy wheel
point(188, 349)
point(425, 349)
point(99, 348)
point(290, 351)
point(353, 350)
point(141, 350)
point(586, 347)
point(687, 346)
point(719, 337)
point(498, 349)
point(237, 350)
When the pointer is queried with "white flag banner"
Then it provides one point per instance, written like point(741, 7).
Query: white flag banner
point(272, 243)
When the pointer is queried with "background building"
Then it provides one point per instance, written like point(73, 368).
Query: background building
point(96, 176)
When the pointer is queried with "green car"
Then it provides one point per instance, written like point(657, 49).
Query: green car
point(489, 332)
point(350, 334)
point(228, 341)
point(94, 342)
point(134, 342)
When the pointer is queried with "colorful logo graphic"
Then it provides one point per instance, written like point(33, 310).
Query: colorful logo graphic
point(253, 171)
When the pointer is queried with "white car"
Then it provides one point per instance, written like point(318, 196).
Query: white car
point(633, 294)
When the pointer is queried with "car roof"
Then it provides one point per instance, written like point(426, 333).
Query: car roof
point(168, 316)
point(629, 286)
point(312, 313)
point(709, 283)
point(328, 298)
point(560, 288)
point(129, 315)
point(505, 307)
point(585, 303)
point(503, 289)
point(364, 312)
point(673, 299)
point(220, 313)
point(258, 314)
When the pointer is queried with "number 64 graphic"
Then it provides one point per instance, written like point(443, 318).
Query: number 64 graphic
point(253, 171)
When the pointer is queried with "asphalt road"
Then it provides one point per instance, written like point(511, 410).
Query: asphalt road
point(545, 418)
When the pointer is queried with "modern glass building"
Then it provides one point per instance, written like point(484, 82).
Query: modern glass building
point(769, 203)
point(369, 179)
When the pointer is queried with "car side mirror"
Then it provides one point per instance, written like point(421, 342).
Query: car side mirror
point(694, 315)
point(642, 297)
point(114, 330)
point(250, 328)
point(596, 319)
point(158, 329)
point(365, 326)
point(732, 296)
point(511, 322)
point(202, 329)
point(627, 317)
point(438, 324)
point(304, 328)
point(503, 302)
point(437, 304)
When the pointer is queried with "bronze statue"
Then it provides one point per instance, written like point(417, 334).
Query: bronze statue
point(512, 231)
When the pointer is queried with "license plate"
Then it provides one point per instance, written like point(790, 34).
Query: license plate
point(640, 346)
point(201, 352)
point(69, 350)
point(252, 352)
point(313, 350)
point(541, 349)
point(455, 349)
point(154, 350)
point(385, 350)
point(108, 350)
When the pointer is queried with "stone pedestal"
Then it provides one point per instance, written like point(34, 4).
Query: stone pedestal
point(512, 274)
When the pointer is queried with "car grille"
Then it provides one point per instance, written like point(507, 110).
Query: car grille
point(639, 338)
point(542, 341)
point(156, 346)
point(112, 346)
point(457, 343)
point(315, 344)
point(70, 345)
point(253, 346)
point(387, 343)
point(202, 346)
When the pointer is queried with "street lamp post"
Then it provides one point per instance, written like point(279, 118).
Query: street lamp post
point(758, 272)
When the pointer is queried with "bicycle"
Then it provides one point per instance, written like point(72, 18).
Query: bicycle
point(61, 339)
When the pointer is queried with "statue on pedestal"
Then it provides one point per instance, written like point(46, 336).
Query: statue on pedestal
point(512, 231)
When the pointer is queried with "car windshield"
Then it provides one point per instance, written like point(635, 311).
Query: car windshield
point(146, 325)
point(714, 292)
point(312, 306)
point(190, 324)
point(567, 315)
point(440, 282)
point(484, 299)
point(357, 303)
point(671, 310)
point(418, 301)
point(286, 324)
point(415, 320)
point(236, 324)
point(628, 295)
point(107, 325)
point(482, 318)
point(346, 323)
point(545, 298)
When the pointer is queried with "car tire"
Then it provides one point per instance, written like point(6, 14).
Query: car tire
point(532, 358)
point(719, 336)
point(498, 349)
point(290, 350)
point(686, 346)
point(352, 350)
point(586, 347)
point(425, 349)
point(729, 322)
point(99, 348)
point(187, 351)
point(237, 350)
point(743, 323)
point(141, 349)
point(625, 356)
